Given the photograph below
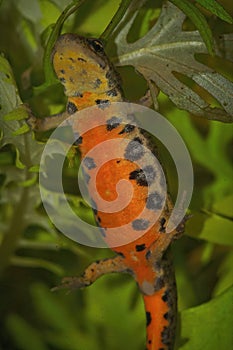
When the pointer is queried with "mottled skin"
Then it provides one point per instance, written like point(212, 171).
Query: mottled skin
point(89, 79)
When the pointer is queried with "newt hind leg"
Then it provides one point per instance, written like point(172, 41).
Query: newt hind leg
point(93, 272)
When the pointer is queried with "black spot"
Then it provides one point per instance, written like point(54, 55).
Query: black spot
point(140, 224)
point(140, 247)
point(93, 206)
point(168, 298)
point(62, 71)
point(109, 77)
point(139, 176)
point(148, 318)
point(154, 201)
point(148, 255)
point(99, 219)
point(159, 283)
point(112, 93)
point(113, 123)
point(166, 336)
point(166, 315)
point(81, 59)
point(134, 150)
point(71, 59)
point(86, 177)
point(89, 163)
point(149, 341)
point(127, 129)
point(71, 108)
point(78, 94)
point(149, 173)
point(121, 254)
point(162, 223)
point(62, 80)
point(102, 230)
point(161, 349)
point(78, 141)
point(97, 83)
point(102, 103)
point(165, 296)
point(118, 161)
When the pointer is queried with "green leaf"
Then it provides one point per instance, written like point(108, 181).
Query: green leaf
point(157, 56)
point(209, 326)
point(225, 274)
point(25, 336)
point(199, 20)
point(211, 227)
point(94, 325)
point(217, 9)
point(37, 263)
point(211, 152)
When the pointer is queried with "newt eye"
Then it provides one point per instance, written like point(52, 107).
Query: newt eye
point(96, 45)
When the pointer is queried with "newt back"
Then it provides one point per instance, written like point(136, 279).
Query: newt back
point(90, 79)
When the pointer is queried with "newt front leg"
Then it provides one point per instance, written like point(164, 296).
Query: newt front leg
point(93, 272)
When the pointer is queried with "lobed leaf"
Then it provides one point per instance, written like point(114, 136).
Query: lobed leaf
point(167, 52)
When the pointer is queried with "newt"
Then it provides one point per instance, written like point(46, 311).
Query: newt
point(89, 79)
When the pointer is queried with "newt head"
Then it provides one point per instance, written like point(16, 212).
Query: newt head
point(82, 67)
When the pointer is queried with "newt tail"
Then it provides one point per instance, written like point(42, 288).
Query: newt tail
point(89, 79)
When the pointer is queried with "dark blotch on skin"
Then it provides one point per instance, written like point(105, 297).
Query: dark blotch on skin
point(71, 108)
point(62, 71)
point(111, 81)
point(97, 83)
point(121, 254)
point(149, 173)
point(168, 298)
point(127, 129)
point(89, 163)
point(154, 201)
point(102, 230)
point(134, 150)
point(148, 318)
point(140, 224)
point(112, 93)
point(139, 176)
point(165, 296)
point(166, 336)
point(113, 123)
point(94, 206)
point(140, 247)
point(81, 59)
point(162, 223)
point(159, 283)
point(62, 80)
point(78, 141)
point(86, 177)
point(102, 103)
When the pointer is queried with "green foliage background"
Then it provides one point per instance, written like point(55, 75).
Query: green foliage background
point(34, 256)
